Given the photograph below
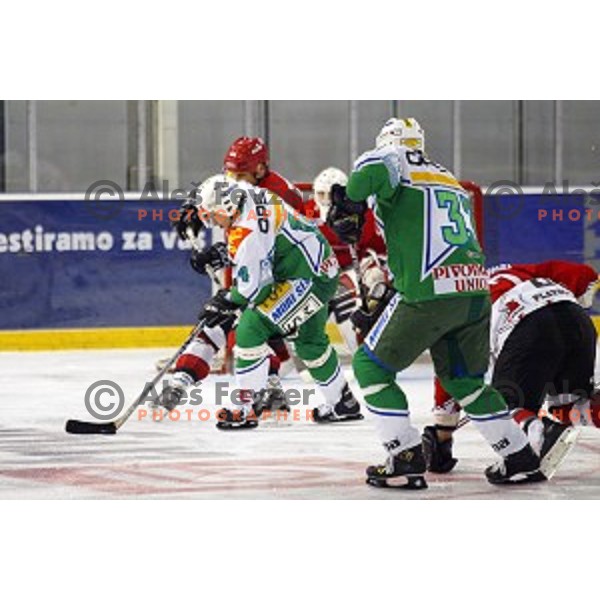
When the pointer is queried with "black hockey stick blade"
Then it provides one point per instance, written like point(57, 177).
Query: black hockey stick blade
point(84, 427)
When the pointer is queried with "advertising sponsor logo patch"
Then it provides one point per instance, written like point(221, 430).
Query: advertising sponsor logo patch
point(451, 279)
point(235, 238)
point(379, 327)
point(285, 300)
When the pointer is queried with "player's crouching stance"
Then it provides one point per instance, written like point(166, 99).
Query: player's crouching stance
point(284, 276)
point(543, 348)
point(441, 303)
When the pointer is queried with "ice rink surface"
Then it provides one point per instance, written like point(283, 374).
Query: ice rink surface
point(190, 458)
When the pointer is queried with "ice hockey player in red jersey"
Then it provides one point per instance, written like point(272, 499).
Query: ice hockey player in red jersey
point(363, 264)
point(543, 348)
point(371, 239)
point(248, 159)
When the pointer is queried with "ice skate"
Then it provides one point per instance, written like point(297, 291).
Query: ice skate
point(558, 441)
point(169, 398)
point(438, 455)
point(520, 467)
point(230, 419)
point(272, 398)
point(404, 470)
point(346, 409)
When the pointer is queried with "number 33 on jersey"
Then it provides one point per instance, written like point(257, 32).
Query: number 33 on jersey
point(427, 222)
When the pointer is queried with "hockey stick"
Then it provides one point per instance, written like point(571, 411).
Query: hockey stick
point(356, 266)
point(211, 273)
point(111, 427)
point(462, 422)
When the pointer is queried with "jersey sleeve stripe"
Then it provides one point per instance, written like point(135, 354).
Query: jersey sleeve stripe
point(304, 250)
point(428, 178)
point(279, 216)
point(359, 164)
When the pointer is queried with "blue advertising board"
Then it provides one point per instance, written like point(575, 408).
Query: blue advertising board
point(536, 227)
point(79, 265)
point(66, 264)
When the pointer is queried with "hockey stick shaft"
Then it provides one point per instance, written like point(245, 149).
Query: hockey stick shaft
point(356, 267)
point(462, 422)
point(149, 387)
point(111, 427)
point(194, 241)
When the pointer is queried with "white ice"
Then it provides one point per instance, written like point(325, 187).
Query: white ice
point(192, 459)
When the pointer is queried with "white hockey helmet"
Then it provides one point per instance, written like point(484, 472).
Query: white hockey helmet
point(219, 194)
point(322, 187)
point(401, 132)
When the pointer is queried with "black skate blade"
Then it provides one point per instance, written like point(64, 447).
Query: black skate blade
point(349, 418)
point(280, 418)
point(268, 413)
point(409, 482)
point(84, 428)
point(283, 408)
point(345, 419)
point(531, 477)
point(233, 425)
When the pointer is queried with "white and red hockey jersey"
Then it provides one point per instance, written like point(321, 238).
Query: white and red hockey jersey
point(518, 290)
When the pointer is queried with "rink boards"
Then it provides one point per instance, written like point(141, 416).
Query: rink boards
point(80, 273)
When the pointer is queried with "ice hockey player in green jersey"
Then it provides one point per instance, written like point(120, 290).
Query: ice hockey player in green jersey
point(284, 275)
point(440, 302)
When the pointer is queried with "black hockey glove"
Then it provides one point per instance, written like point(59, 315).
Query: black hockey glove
point(346, 217)
point(364, 320)
point(216, 256)
point(342, 306)
point(219, 310)
point(188, 218)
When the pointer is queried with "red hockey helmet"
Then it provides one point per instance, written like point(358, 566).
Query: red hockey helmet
point(245, 154)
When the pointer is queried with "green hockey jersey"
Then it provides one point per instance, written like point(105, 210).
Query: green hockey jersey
point(270, 244)
point(426, 218)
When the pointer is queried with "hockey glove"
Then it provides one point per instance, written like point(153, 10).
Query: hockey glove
point(216, 257)
point(219, 310)
point(364, 320)
point(346, 217)
point(188, 218)
point(342, 306)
